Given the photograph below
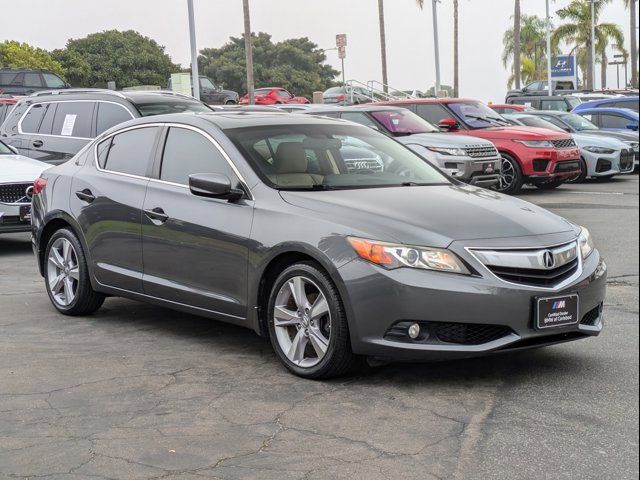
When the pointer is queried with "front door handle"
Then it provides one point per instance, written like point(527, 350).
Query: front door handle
point(37, 143)
point(85, 195)
point(157, 214)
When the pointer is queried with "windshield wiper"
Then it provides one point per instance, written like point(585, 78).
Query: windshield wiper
point(499, 120)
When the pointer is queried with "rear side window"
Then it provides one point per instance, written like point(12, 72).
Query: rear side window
point(53, 81)
point(432, 112)
point(31, 121)
point(3, 111)
point(7, 78)
point(47, 121)
point(613, 121)
point(110, 115)
point(73, 119)
point(129, 152)
point(187, 152)
point(32, 80)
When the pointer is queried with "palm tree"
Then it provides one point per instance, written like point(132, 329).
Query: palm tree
point(604, 34)
point(527, 72)
point(578, 32)
point(248, 50)
point(456, 76)
point(383, 45)
point(631, 5)
point(516, 42)
point(532, 43)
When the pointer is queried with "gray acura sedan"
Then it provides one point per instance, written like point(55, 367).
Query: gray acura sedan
point(255, 219)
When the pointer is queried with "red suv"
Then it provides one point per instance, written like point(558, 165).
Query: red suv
point(541, 157)
point(272, 96)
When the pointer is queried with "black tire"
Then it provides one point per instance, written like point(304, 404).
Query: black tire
point(514, 184)
point(549, 185)
point(229, 102)
point(86, 300)
point(339, 359)
point(583, 173)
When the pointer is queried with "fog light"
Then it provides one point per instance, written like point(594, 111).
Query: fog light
point(414, 331)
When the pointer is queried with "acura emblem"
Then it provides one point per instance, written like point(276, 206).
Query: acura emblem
point(547, 258)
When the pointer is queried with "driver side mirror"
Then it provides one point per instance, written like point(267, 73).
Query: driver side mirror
point(632, 126)
point(214, 185)
point(13, 149)
point(448, 124)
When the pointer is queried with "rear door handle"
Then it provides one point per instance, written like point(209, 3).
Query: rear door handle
point(85, 195)
point(157, 214)
point(37, 143)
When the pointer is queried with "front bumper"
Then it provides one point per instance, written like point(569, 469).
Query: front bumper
point(10, 220)
point(603, 165)
point(378, 299)
point(543, 165)
point(481, 172)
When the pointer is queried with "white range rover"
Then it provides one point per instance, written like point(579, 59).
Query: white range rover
point(17, 174)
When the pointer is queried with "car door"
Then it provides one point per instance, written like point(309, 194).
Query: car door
point(64, 130)
point(107, 197)
point(195, 249)
point(612, 121)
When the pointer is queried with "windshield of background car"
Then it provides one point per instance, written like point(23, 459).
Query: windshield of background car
point(4, 150)
point(327, 156)
point(577, 122)
point(403, 122)
point(531, 121)
point(476, 114)
point(170, 105)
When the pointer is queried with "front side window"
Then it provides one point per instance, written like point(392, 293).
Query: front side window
point(32, 80)
point(129, 152)
point(53, 81)
point(321, 157)
point(284, 94)
point(187, 152)
point(402, 122)
point(613, 121)
point(73, 119)
point(206, 83)
point(4, 150)
point(432, 112)
point(578, 122)
point(31, 121)
point(110, 115)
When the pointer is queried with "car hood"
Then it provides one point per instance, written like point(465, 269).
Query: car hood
point(431, 215)
point(586, 140)
point(517, 132)
point(620, 135)
point(18, 168)
point(437, 139)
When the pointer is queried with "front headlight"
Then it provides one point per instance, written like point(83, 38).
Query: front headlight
point(586, 243)
point(633, 145)
point(603, 150)
point(459, 152)
point(535, 143)
point(391, 255)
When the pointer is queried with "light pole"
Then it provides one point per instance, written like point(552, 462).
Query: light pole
point(549, 80)
point(436, 46)
point(593, 44)
point(195, 77)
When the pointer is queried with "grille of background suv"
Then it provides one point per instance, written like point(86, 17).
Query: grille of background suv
point(14, 193)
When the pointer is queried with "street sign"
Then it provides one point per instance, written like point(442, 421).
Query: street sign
point(342, 53)
point(563, 66)
point(341, 40)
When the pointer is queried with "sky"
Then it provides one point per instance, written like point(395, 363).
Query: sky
point(409, 32)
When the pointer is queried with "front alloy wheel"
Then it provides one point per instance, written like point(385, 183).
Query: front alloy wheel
point(510, 180)
point(308, 324)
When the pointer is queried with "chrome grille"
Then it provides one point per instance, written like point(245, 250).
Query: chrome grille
point(568, 143)
point(481, 151)
point(542, 267)
point(627, 158)
point(14, 193)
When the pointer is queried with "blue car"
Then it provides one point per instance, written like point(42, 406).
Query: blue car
point(614, 102)
point(610, 118)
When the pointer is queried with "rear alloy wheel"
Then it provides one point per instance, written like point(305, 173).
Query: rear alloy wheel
point(583, 173)
point(307, 323)
point(67, 276)
point(510, 180)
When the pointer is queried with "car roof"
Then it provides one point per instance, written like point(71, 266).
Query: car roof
point(360, 108)
point(409, 101)
point(134, 96)
point(623, 111)
point(604, 101)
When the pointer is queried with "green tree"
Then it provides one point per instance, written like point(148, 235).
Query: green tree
point(128, 58)
point(527, 72)
point(22, 55)
point(577, 32)
point(532, 45)
point(631, 5)
point(296, 64)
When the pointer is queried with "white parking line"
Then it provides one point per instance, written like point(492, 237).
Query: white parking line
point(579, 192)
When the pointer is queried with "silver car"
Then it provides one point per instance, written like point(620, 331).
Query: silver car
point(469, 159)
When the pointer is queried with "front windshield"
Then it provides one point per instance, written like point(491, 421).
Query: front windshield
point(4, 150)
point(578, 122)
point(172, 105)
point(476, 114)
point(330, 156)
point(403, 122)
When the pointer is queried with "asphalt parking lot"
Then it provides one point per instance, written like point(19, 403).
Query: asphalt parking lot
point(140, 392)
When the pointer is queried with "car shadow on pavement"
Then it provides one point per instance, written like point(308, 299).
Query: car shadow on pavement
point(14, 244)
point(210, 335)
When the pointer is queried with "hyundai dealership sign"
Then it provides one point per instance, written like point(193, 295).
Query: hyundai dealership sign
point(563, 66)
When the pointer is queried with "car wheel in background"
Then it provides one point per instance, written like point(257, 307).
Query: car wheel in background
point(510, 180)
point(308, 324)
point(67, 276)
point(583, 173)
point(229, 102)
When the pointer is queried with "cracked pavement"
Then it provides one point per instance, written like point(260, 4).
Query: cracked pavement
point(140, 392)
